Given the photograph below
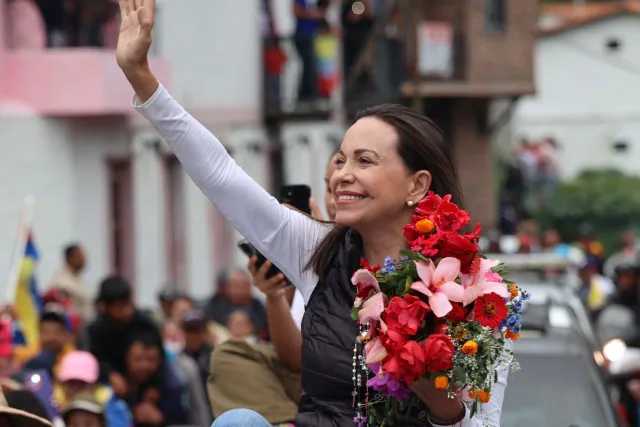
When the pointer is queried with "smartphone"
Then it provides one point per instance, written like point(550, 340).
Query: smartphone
point(248, 249)
point(297, 196)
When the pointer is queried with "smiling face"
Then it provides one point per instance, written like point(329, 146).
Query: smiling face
point(372, 185)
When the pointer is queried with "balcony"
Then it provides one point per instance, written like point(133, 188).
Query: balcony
point(63, 82)
point(287, 92)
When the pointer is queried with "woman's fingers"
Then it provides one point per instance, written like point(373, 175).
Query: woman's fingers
point(252, 265)
point(125, 7)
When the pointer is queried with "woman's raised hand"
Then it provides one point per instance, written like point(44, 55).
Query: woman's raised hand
point(135, 34)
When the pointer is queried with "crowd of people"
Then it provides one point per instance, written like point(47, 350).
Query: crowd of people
point(36, 24)
point(183, 363)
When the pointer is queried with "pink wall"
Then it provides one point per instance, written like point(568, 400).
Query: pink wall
point(70, 82)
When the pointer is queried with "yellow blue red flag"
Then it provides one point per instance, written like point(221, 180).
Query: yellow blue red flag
point(28, 303)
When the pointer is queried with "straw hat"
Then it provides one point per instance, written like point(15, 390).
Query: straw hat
point(20, 418)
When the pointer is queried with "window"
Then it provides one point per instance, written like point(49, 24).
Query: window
point(121, 217)
point(175, 205)
point(496, 15)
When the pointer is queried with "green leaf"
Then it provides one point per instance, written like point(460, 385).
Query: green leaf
point(460, 374)
point(407, 285)
point(474, 408)
point(354, 312)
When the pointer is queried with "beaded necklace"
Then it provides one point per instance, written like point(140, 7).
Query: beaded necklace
point(360, 376)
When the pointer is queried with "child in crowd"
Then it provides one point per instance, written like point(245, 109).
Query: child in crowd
point(78, 375)
point(85, 411)
point(111, 333)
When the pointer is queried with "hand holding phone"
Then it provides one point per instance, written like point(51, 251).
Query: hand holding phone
point(273, 286)
point(248, 249)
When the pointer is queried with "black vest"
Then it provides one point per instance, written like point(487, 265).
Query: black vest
point(328, 336)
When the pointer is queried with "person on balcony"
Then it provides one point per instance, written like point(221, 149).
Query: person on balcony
point(357, 24)
point(308, 16)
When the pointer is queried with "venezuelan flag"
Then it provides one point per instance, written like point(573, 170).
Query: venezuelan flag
point(28, 303)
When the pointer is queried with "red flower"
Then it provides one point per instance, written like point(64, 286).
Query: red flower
point(429, 204)
point(405, 315)
point(367, 266)
point(460, 247)
point(392, 340)
point(490, 310)
point(438, 350)
point(407, 363)
point(457, 313)
point(448, 217)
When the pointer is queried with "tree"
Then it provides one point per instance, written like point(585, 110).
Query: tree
point(607, 200)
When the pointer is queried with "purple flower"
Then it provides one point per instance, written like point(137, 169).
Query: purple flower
point(383, 383)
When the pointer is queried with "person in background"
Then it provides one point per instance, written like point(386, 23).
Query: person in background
point(67, 280)
point(627, 253)
point(357, 25)
point(20, 407)
point(241, 326)
point(238, 296)
point(166, 299)
point(111, 333)
point(55, 342)
point(308, 16)
point(154, 390)
point(8, 364)
point(54, 14)
point(85, 411)
point(212, 305)
point(171, 331)
point(595, 289)
point(197, 342)
point(591, 247)
point(79, 372)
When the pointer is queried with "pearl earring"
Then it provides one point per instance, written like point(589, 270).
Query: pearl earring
point(410, 203)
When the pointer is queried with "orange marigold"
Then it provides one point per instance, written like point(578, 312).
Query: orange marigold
point(425, 225)
point(513, 290)
point(512, 336)
point(441, 382)
point(473, 393)
point(470, 348)
point(483, 396)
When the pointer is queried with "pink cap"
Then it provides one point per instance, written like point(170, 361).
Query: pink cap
point(80, 366)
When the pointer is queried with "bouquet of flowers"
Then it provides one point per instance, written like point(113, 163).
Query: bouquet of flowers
point(442, 311)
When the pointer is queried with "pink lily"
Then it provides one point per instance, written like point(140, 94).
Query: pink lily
point(483, 281)
point(366, 283)
point(375, 351)
point(438, 284)
point(372, 308)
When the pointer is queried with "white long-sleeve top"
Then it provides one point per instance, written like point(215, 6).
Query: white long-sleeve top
point(284, 236)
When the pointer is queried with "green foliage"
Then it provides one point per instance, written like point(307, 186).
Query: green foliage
point(607, 200)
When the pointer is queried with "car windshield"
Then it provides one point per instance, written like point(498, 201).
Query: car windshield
point(552, 391)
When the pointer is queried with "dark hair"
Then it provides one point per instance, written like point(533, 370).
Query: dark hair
point(147, 339)
point(422, 146)
point(70, 249)
point(26, 401)
point(113, 289)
